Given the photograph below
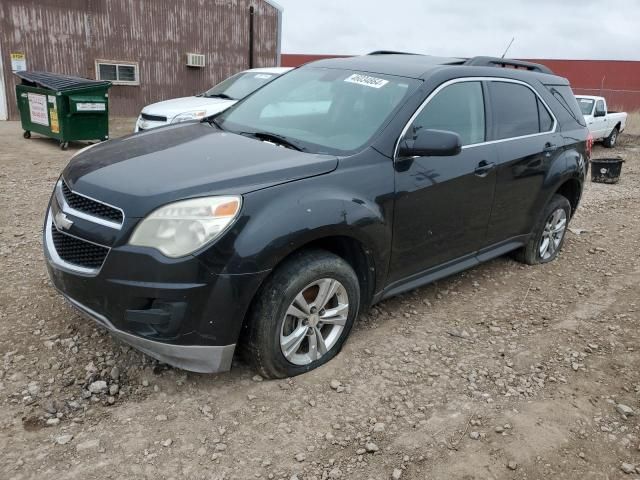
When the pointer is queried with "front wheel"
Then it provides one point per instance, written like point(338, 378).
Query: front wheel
point(611, 140)
point(303, 315)
point(548, 235)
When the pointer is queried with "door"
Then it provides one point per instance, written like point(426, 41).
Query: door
point(523, 129)
point(600, 119)
point(443, 204)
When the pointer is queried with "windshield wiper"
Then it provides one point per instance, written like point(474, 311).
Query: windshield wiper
point(220, 95)
point(274, 138)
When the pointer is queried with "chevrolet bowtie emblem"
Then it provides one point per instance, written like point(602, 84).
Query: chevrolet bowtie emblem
point(62, 221)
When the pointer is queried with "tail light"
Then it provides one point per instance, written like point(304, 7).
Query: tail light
point(589, 145)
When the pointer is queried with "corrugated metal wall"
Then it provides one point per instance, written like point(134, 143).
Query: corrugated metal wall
point(68, 36)
point(617, 81)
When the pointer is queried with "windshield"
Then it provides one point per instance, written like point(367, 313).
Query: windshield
point(586, 105)
point(321, 110)
point(240, 85)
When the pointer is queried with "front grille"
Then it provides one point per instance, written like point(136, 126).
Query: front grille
point(153, 118)
point(76, 251)
point(91, 207)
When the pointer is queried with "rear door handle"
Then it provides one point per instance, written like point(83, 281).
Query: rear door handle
point(484, 168)
point(549, 148)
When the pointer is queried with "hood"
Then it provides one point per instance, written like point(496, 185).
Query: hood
point(176, 106)
point(141, 172)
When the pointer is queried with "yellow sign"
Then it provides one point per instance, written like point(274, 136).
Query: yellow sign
point(53, 115)
point(18, 62)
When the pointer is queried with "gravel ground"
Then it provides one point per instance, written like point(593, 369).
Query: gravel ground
point(504, 371)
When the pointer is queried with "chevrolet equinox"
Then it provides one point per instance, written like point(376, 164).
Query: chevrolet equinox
point(344, 182)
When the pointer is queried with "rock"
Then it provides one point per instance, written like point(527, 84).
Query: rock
point(335, 384)
point(52, 422)
point(221, 447)
point(624, 410)
point(335, 473)
point(161, 418)
point(300, 457)
point(397, 473)
point(99, 386)
point(371, 447)
point(257, 378)
point(113, 389)
point(115, 374)
point(499, 429)
point(512, 465)
point(167, 442)
point(64, 439)
point(88, 445)
point(628, 468)
point(378, 427)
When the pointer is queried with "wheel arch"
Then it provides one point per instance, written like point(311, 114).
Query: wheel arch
point(571, 189)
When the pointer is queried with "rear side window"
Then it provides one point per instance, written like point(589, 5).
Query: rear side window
point(456, 108)
point(517, 111)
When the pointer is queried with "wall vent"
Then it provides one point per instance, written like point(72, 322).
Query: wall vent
point(195, 60)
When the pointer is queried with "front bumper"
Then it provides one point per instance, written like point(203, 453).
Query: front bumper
point(175, 310)
point(195, 358)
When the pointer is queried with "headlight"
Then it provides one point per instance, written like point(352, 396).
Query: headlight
point(181, 228)
point(186, 116)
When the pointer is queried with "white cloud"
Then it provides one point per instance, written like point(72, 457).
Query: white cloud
point(576, 29)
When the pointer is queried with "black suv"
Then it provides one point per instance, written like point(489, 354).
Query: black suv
point(341, 183)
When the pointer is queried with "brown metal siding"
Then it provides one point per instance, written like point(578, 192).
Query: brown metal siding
point(68, 36)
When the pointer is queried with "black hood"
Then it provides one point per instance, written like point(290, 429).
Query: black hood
point(141, 172)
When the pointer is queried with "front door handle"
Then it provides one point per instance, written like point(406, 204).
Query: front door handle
point(483, 168)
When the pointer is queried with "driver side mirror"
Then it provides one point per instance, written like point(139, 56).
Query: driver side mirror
point(431, 143)
point(599, 113)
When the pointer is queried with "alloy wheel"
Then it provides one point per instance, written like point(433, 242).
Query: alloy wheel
point(553, 233)
point(314, 321)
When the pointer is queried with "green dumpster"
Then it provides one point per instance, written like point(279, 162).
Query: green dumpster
point(63, 107)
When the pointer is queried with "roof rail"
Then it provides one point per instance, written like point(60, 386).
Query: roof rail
point(507, 62)
point(391, 52)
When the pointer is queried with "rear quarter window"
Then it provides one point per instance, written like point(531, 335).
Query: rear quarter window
point(567, 101)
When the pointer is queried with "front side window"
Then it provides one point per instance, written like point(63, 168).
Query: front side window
point(456, 108)
point(118, 73)
point(515, 111)
point(322, 110)
point(600, 107)
point(240, 85)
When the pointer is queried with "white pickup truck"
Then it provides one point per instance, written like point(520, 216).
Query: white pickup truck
point(603, 124)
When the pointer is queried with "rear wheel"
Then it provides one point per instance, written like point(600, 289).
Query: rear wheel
point(26, 134)
point(548, 236)
point(611, 140)
point(303, 315)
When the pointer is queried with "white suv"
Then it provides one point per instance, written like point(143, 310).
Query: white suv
point(214, 100)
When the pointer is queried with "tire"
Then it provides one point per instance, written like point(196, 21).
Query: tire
point(26, 134)
point(611, 140)
point(271, 328)
point(64, 145)
point(533, 253)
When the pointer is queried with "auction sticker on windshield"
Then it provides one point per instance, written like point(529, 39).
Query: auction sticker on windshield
point(366, 80)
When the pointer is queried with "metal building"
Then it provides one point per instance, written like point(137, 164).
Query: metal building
point(150, 49)
point(616, 80)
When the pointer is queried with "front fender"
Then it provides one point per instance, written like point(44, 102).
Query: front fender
point(354, 201)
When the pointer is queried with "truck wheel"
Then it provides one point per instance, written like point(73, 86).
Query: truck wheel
point(610, 141)
point(548, 235)
point(302, 315)
point(26, 134)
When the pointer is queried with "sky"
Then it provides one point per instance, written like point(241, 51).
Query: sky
point(565, 29)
